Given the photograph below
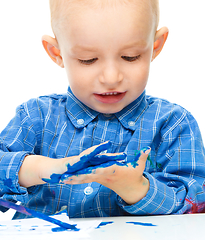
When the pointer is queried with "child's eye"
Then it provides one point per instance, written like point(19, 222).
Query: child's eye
point(131, 59)
point(88, 62)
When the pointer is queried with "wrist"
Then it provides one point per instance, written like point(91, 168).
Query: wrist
point(138, 193)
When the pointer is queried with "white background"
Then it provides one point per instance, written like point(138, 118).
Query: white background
point(26, 71)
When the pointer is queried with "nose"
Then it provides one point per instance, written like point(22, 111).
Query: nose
point(111, 75)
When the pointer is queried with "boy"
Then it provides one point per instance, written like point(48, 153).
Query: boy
point(106, 48)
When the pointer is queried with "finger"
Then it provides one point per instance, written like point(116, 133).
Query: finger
point(140, 156)
point(84, 160)
point(76, 180)
point(85, 171)
point(89, 174)
point(98, 149)
point(103, 158)
point(88, 160)
point(144, 153)
point(100, 176)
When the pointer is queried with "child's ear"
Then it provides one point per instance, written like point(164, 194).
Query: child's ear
point(160, 39)
point(51, 46)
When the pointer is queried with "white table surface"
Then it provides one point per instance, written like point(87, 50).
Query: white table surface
point(173, 227)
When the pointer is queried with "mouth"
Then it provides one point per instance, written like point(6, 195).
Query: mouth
point(110, 97)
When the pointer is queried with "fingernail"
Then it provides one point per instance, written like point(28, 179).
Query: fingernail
point(147, 150)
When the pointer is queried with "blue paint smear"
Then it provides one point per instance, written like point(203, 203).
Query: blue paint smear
point(102, 224)
point(39, 215)
point(143, 224)
point(62, 229)
point(94, 160)
point(59, 229)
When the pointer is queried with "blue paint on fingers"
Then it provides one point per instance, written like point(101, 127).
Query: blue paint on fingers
point(90, 162)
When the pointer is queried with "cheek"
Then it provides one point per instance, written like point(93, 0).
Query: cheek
point(140, 73)
point(78, 73)
point(76, 77)
point(145, 68)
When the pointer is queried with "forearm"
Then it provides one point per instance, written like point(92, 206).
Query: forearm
point(29, 171)
point(34, 168)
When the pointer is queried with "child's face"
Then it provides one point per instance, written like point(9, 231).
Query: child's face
point(107, 54)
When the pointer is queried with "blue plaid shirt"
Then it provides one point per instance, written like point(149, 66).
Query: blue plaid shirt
point(59, 126)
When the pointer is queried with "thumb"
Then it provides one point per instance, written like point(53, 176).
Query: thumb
point(144, 153)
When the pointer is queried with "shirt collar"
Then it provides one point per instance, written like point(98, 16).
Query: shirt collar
point(81, 115)
point(131, 113)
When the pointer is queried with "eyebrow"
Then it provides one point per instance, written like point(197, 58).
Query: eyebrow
point(85, 48)
point(141, 43)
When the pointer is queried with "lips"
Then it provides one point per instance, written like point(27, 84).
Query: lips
point(110, 97)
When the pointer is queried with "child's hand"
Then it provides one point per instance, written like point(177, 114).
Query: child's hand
point(87, 162)
point(126, 180)
point(37, 170)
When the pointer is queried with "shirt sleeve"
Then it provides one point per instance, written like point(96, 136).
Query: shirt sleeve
point(17, 140)
point(176, 171)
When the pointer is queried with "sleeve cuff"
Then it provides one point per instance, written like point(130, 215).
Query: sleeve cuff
point(9, 181)
point(160, 199)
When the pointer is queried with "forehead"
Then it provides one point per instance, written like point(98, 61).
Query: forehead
point(64, 9)
point(56, 4)
point(117, 28)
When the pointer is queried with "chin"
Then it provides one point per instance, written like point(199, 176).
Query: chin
point(109, 111)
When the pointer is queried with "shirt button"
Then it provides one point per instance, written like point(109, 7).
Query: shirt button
point(131, 124)
point(80, 121)
point(88, 190)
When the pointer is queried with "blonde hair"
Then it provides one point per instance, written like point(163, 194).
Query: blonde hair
point(57, 8)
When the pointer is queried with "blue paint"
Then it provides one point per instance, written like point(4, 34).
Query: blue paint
point(58, 229)
point(39, 215)
point(102, 224)
point(143, 224)
point(137, 156)
point(94, 160)
point(91, 169)
point(54, 178)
